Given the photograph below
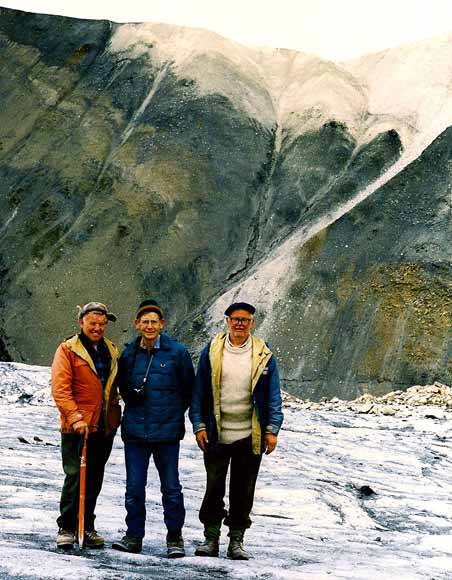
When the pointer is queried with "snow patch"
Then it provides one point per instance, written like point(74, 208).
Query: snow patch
point(309, 518)
point(21, 382)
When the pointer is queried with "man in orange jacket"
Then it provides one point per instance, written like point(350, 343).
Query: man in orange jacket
point(83, 373)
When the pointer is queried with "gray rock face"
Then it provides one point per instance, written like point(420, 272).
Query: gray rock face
point(372, 300)
point(150, 160)
point(103, 204)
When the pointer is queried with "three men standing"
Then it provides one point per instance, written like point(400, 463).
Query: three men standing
point(235, 411)
point(155, 380)
point(83, 373)
point(236, 416)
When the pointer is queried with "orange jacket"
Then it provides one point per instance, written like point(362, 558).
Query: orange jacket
point(77, 389)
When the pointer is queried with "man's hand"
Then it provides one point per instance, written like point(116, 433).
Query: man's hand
point(201, 439)
point(270, 442)
point(81, 427)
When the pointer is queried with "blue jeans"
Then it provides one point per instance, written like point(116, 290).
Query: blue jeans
point(166, 460)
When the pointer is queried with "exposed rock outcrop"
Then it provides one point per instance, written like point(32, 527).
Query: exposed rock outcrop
point(400, 403)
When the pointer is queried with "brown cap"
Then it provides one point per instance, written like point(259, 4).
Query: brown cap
point(149, 306)
point(95, 307)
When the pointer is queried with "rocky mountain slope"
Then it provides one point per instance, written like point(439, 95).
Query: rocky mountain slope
point(367, 304)
point(151, 160)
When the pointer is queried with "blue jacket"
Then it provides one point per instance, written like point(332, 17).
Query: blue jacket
point(157, 415)
point(205, 412)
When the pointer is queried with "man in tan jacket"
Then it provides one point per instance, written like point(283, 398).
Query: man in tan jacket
point(236, 415)
point(83, 372)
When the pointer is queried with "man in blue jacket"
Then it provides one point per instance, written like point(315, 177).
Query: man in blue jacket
point(155, 379)
point(236, 416)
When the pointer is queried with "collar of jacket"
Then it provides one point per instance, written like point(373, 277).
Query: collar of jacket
point(76, 346)
point(164, 342)
point(261, 354)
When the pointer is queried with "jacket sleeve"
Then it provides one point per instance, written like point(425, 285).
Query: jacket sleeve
point(122, 378)
point(274, 401)
point(62, 381)
point(187, 378)
point(202, 382)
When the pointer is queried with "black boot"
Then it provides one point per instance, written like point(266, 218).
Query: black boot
point(128, 544)
point(236, 550)
point(211, 545)
point(175, 545)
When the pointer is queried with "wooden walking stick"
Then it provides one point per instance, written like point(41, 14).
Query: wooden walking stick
point(81, 508)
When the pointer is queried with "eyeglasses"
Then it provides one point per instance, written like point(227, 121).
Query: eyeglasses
point(244, 321)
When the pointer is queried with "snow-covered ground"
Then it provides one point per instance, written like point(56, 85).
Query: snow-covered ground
point(344, 496)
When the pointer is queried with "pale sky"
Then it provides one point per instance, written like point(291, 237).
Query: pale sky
point(334, 29)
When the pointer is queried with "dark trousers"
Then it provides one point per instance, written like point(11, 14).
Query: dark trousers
point(166, 460)
point(242, 483)
point(98, 451)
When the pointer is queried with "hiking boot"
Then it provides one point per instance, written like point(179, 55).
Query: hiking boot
point(93, 540)
point(128, 544)
point(236, 551)
point(65, 539)
point(210, 547)
point(175, 545)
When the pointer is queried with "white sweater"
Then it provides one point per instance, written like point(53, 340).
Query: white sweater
point(235, 392)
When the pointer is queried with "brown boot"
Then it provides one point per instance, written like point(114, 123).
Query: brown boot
point(65, 539)
point(93, 539)
point(211, 545)
point(236, 551)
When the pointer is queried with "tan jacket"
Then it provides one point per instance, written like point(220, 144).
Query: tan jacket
point(260, 357)
point(77, 388)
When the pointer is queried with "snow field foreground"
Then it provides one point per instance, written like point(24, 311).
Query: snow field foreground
point(344, 496)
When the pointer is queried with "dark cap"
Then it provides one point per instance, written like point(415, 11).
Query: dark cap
point(96, 307)
point(239, 306)
point(149, 306)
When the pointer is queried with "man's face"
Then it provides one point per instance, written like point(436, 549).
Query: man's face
point(93, 326)
point(149, 325)
point(240, 324)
